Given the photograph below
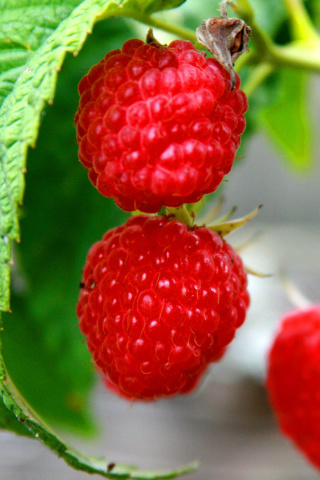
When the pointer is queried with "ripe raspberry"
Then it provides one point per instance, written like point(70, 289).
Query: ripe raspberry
point(158, 125)
point(293, 379)
point(159, 303)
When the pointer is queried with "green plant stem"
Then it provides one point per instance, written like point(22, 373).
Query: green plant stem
point(181, 214)
point(141, 17)
point(290, 56)
point(262, 41)
point(259, 74)
point(302, 55)
point(302, 26)
point(246, 9)
point(247, 59)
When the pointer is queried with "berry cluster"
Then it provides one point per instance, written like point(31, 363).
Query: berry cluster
point(158, 125)
point(159, 303)
point(293, 379)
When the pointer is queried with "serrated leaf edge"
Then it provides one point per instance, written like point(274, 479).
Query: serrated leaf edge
point(17, 133)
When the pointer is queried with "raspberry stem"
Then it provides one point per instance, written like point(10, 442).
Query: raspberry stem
point(302, 26)
point(181, 214)
point(259, 74)
point(302, 53)
point(141, 17)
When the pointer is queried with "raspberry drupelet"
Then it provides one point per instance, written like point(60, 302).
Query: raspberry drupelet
point(159, 302)
point(158, 125)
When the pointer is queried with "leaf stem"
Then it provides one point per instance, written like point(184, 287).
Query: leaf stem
point(247, 59)
point(301, 55)
point(246, 10)
point(302, 26)
point(181, 214)
point(262, 41)
point(259, 74)
point(141, 17)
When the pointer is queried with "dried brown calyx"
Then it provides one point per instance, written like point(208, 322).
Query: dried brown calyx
point(226, 38)
point(151, 38)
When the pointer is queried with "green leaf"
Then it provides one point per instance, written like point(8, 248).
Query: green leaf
point(288, 121)
point(23, 412)
point(52, 367)
point(29, 86)
point(20, 111)
point(149, 6)
point(19, 38)
point(62, 216)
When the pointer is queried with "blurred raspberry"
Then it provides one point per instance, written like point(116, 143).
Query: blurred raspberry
point(158, 125)
point(293, 379)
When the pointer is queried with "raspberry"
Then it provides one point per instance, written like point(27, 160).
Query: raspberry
point(159, 302)
point(158, 125)
point(293, 379)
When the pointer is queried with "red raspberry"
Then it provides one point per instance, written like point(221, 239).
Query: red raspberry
point(293, 379)
point(159, 303)
point(158, 125)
